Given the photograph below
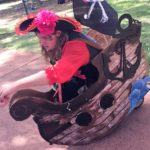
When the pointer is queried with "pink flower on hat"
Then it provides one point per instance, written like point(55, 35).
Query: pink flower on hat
point(45, 21)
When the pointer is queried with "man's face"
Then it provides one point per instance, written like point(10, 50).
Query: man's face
point(47, 41)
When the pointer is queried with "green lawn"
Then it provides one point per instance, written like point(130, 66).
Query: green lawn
point(139, 9)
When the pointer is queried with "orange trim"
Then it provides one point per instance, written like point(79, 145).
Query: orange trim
point(72, 21)
point(23, 19)
point(31, 27)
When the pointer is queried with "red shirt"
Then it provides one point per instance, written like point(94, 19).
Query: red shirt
point(74, 55)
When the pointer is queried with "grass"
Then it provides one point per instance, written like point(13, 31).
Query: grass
point(8, 39)
point(22, 43)
point(139, 9)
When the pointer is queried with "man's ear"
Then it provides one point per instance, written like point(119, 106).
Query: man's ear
point(58, 33)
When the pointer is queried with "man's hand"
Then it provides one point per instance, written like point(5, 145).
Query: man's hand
point(6, 90)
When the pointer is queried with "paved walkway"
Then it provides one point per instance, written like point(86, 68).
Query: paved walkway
point(20, 135)
point(132, 134)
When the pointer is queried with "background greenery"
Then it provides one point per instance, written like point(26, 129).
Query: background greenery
point(11, 11)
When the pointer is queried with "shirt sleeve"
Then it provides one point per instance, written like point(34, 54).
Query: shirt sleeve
point(74, 55)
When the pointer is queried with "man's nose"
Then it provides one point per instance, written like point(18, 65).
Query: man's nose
point(43, 42)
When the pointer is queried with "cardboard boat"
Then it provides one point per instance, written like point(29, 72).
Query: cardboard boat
point(97, 110)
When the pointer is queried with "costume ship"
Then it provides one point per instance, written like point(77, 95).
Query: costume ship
point(102, 105)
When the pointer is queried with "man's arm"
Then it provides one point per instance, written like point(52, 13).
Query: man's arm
point(8, 89)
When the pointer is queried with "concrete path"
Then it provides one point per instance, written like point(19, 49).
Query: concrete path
point(132, 134)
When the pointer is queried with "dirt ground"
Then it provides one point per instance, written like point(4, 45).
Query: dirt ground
point(132, 134)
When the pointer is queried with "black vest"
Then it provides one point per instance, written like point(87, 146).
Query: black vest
point(88, 41)
point(70, 89)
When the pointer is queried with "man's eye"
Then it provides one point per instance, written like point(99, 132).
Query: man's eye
point(50, 38)
point(45, 38)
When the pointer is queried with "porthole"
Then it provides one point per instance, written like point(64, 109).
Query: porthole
point(84, 119)
point(106, 101)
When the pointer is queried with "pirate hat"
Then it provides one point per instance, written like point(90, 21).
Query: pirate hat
point(46, 22)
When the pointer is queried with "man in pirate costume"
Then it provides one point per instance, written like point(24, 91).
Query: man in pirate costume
point(68, 49)
point(69, 54)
